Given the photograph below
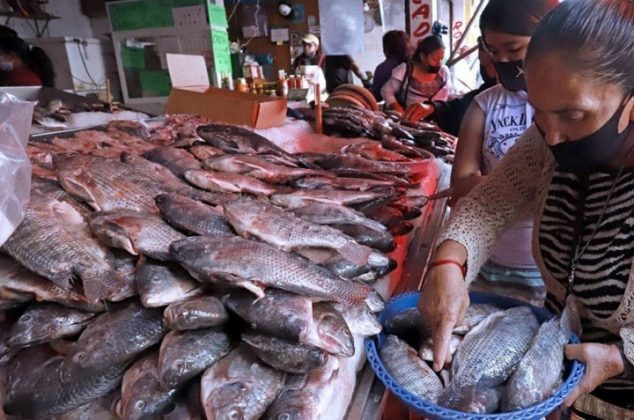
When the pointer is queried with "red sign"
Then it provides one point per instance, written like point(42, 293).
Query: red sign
point(420, 19)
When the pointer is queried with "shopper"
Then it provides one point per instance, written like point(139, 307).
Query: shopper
point(24, 65)
point(575, 168)
point(449, 115)
point(424, 78)
point(397, 48)
point(311, 56)
point(339, 69)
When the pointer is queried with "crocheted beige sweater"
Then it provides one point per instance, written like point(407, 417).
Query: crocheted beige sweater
point(519, 182)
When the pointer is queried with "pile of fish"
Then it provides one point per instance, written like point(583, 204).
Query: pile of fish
point(217, 276)
point(388, 129)
point(503, 360)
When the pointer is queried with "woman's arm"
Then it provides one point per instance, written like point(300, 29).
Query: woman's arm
point(467, 166)
point(391, 88)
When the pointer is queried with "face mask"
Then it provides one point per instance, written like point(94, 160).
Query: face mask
point(6, 65)
point(433, 69)
point(511, 75)
point(594, 151)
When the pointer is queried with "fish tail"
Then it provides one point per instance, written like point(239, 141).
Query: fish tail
point(355, 253)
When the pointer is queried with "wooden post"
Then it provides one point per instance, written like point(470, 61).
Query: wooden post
point(319, 129)
point(108, 94)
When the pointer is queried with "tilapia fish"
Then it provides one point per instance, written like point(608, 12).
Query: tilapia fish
point(195, 313)
point(55, 242)
point(136, 233)
point(92, 370)
point(234, 139)
point(106, 184)
point(288, 232)
point(413, 374)
point(381, 240)
point(330, 161)
point(243, 261)
point(329, 214)
point(193, 216)
point(160, 285)
point(204, 152)
point(475, 314)
point(540, 371)
point(258, 167)
point(343, 198)
point(142, 395)
point(186, 354)
point(284, 355)
point(488, 355)
point(374, 151)
point(239, 386)
point(295, 318)
point(15, 278)
point(360, 320)
point(46, 322)
point(229, 182)
point(408, 326)
point(343, 183)
point(176, 160)
point(426, 350)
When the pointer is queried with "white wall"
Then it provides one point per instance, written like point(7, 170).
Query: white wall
point(72, 22)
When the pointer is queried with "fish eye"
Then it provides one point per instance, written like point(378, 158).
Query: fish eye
point(179, 365)
point(284, 416)
point(80, 357)
point(235, 413)
point(140, 405)
point(26, 318)
point(156, 279)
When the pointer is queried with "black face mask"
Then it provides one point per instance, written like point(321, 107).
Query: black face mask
point(511, 75)
point(594, 151)
point(433, 69)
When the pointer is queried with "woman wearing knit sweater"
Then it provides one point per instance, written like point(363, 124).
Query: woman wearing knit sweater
point(575, 168)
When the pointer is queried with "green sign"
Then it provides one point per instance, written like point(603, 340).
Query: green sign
point(217, 15)
point(133, 58)
point(155, 82)
point(220, 47)
point(143, 14)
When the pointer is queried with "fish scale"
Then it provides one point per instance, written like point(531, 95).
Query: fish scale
point(193, 216)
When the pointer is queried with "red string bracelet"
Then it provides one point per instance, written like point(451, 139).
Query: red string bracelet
point(445, 261)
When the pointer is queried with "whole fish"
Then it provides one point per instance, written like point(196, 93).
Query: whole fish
point(342, 183)
point(413, 374)
point(258, 167)
point(106, 184)
point(239, 385)
point(374, 151)
point(229, 182)
point(142, 395)
point(343, 198)
point(288, 232)
point(55, 242)
point(46, 322)
point(193, 216)
point(295, 318)
point(203, 152)
point(331, 161)
point(161, 285)
point(284, 355)
point(136, 233)
point(338, 265)
point(195, 313)
point(360, 320)
point(176, 160)
point(328, 214)
point(186, 354)
point(26, 360)
point(475, 314)
point(239, 260)
point(98, 409)
point(234, 139)
point(381, 240)
point(540, 370)
point(426, 350)
point(488, 355)
point(92, 370)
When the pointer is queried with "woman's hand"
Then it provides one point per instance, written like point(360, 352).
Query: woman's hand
point(602, 362)
point(444, 300)
point(418, 112)
point(396, 107)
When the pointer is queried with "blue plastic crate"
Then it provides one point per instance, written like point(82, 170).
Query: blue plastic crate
point(572, 374)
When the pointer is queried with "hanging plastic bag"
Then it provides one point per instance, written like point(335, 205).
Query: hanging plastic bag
point(15, 167)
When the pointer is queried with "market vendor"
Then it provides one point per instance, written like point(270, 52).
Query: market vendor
point(311, 56)
point(424, 78)
point(24, 65)
point(575, 168)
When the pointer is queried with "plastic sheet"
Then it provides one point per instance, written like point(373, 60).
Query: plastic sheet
point(15, 167)
point(341, 20)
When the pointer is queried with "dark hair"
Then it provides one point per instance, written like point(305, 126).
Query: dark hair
point(5, 31)
point(427, 46)
point(33, 57)
point(593, 36)
point(395, 45)
point(518, 17)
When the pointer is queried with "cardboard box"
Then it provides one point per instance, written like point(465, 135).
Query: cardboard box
point(192, 94)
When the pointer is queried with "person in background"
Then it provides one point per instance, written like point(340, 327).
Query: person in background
point(339, 69)
point(491, 126)
point(424, 78)
point(311, 56)
point(449, 115)
point(574, 167)
point(24, 65)
point(397, 49)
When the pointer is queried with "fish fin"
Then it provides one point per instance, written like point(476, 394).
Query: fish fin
point(570, 318)
point(252, 287)
point(355, 253)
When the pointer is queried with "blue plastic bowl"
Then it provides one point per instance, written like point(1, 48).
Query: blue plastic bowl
point(572, 374)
